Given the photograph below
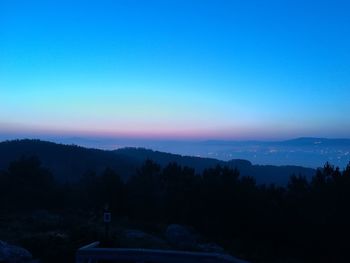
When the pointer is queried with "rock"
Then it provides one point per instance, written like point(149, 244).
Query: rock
point(55, 235)
point(181, 237)
point(13, 254)
point(211, 248)
point(137, 238)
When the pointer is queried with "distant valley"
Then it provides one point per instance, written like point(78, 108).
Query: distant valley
point(307, 152)
point(70, 162)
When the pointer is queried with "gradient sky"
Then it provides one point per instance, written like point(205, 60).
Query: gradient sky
point(175, 69)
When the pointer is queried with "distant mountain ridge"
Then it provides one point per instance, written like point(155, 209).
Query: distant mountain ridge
point(262, 173)
point(304, 151)
point(70, 162)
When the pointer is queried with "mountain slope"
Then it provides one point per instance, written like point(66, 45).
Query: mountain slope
point(67, 162)
point(262, 173)
point(70, 162)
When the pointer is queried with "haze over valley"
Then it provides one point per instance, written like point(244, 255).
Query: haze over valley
point(307, 152)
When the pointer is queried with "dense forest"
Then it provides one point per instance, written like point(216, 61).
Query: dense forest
point(306, 221)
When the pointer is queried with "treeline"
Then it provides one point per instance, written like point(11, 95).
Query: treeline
point(306, 220)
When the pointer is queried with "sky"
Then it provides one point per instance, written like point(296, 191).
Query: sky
point(175, 69)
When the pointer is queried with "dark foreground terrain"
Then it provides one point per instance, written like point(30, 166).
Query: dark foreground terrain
point(174, 207)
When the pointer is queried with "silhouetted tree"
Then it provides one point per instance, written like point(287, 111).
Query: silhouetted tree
point(27, 184)
point(110, 190)
point(144, 192)
point(305, 220)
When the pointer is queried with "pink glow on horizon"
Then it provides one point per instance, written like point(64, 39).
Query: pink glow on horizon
point(161, 133)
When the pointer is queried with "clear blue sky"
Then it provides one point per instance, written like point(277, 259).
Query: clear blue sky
point(175, 69)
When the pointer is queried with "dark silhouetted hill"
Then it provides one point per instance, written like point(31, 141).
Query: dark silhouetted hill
point(70, 162)
point(262, 173)
point(67, 162)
